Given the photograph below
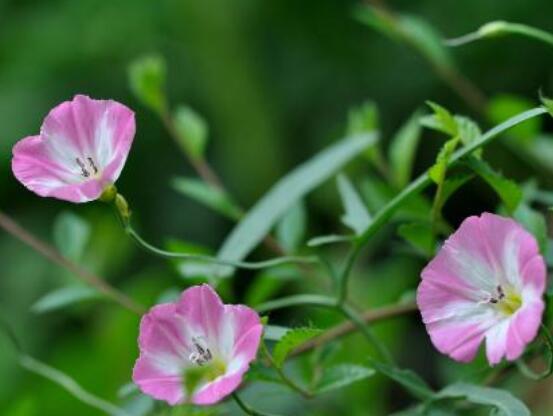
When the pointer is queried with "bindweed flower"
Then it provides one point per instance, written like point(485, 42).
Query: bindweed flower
point(80, 152)
point(486, 283)
point(197, 349)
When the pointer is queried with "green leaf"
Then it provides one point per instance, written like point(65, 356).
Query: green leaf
point(356, 215)
point(501, 107)
point(192, 131)
point(508, 190)
point(547, 103)
point(420, 236)
point(274, 332)
point(402, 150)
point(268, 283)
point(427, 40)
point(71, 386)
point(451, 185)
point(207, 195)
point(292, 339)
point(410, 380)
point(363, 119)
point(71, 235)
point(438, 171)
point(328, 239)
point(147, 81)
point(503, 401)
point(468, 130)
point(442, 120)
point(341, 375)
point(290, 230)
point(407, 29)
point(534, 222)
point(285, 193)
point(63, 297)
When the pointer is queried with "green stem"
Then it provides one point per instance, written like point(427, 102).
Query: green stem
point(358, 321)
point(246, 408)
point(343, 279)
point(288, 381)
point(208, 259)
point(424, 180)
point(497, 28)
point(70, 385)
point(297, 300)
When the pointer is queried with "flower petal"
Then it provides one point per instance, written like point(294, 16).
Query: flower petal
point(82, 148)
point(486, 282)
point(202, 308)
point(163, 353)
point(509, 245)
point(218, 389)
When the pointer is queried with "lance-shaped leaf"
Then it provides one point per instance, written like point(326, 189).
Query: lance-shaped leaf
point(402, 150)
point(356, 215)
point(64, 297)
point(207, 195)
point(192, 131)
point(291, 228)
point(341, 375)
point(505, 403)
point(410, 380)
point(509, 192)
point(285, 193)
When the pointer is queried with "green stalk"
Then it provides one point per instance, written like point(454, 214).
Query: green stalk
point(499, 28)
point(424, 180)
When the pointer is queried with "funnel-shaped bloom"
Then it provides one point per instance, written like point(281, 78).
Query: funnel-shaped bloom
point(197, 349)
point(486, 283)
point(81, 149)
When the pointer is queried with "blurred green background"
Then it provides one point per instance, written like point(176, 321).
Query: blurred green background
point(274, 80)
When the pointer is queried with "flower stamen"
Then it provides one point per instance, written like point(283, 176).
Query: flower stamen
point(84, 172)
point(202, 355)
point(508, 303)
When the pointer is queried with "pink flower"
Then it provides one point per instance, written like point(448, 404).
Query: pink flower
point(81, 149)
point(486, 283)
point(198, 332)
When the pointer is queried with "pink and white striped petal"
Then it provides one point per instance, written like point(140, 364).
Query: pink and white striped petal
point(197, 331)
point(82, 148)
point(485, 283)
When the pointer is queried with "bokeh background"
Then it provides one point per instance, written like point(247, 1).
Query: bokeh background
point(274, 80)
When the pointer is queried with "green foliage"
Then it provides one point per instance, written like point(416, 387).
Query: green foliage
point(363, 119)
point(503, 106)
point(66, 296)
point(509, 192)
point(192, 131)
point(147, 77)
point(442, 120)
point(342, 375)
point(71, 235)
point(269, 282)
point(438, 171)
point(410, 29)
point(291, 228)
point(328, 239)
point(534, 222)
point(356, 215)
point(292, 339)
point(504, 403)
point(207, 195)
point(402, 150)
point(410, 380)
point(420, 236)
point(285, 193)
